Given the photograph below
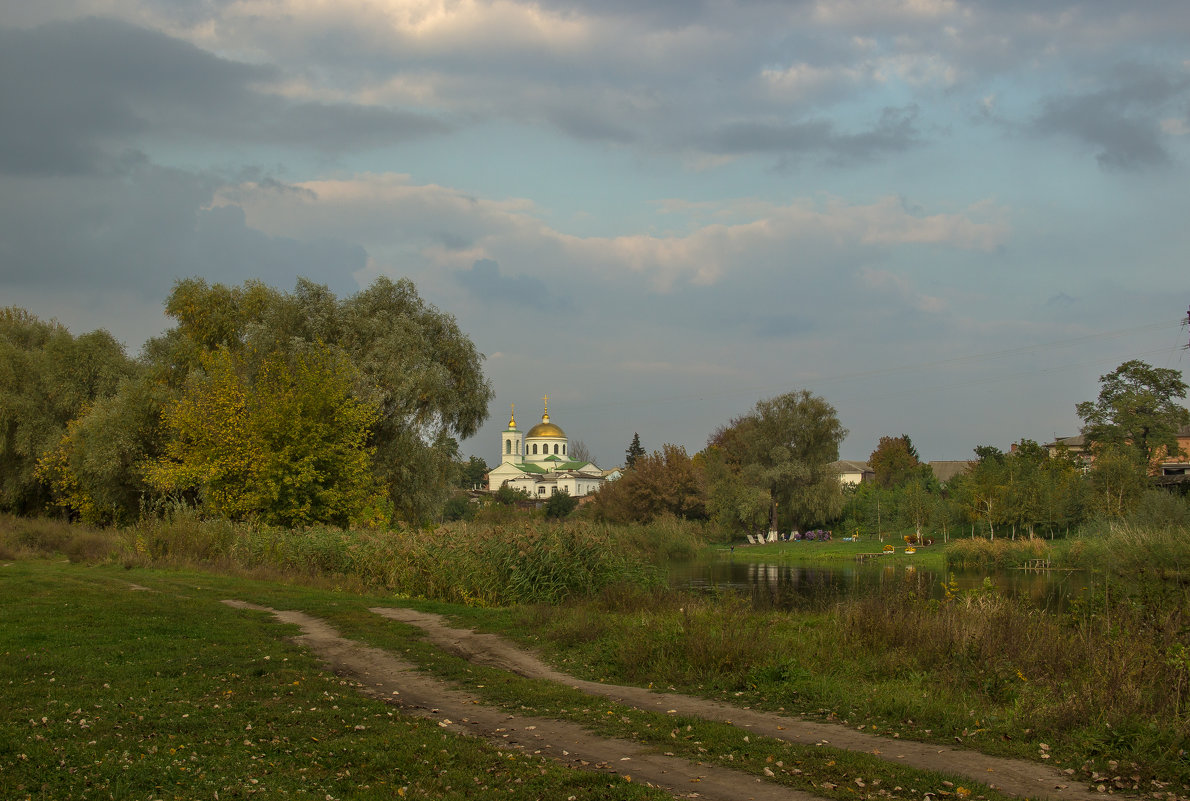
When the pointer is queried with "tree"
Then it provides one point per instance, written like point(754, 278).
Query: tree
point(1117, 480)
point(783, 446)
point(560, 504)
point(916, 504)
point(733, 505)
point(286, 444)
point(97, 471)
point(411, 363)
point(665, 482)
point(983, 488)
point(634, 452)
point(579, 451)
point(1137, 407)
point(47, 378)
point(894, 461)
point(472, 473)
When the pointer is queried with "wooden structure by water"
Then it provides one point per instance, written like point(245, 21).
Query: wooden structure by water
point(1038, 565)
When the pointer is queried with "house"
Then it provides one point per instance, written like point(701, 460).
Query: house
point(852, 474)
point(945, 470)
point(1163, 465)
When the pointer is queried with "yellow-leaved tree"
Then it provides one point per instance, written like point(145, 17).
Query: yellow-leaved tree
point(284, 441)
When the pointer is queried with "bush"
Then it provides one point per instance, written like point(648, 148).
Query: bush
point(560, 505)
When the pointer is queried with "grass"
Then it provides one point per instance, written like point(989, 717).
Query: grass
point(166, 693)
point(477, 564)
point(998, 554)
point(172, 695)
point(1105, 684)
point(1097, 686)
point(930, 556)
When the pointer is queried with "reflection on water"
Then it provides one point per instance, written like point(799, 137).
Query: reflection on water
point(784, 586)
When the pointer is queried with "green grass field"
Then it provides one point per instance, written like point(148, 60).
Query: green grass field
point(140, 684)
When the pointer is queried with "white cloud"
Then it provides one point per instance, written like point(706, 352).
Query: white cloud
point(453, 229)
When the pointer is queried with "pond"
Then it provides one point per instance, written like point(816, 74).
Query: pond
point(786, 586)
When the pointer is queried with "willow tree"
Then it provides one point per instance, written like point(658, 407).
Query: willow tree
point(409, 362)
point(48, 377)
point(784, 446)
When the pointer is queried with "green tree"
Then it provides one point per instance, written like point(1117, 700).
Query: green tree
point(983, 489)
point(916, 503)
point(472, 473)
point(286, 444)
point(412, 364)
point(784, 446)
point(1117, 480)
point(634, 452)
point(560, 504)
point(1138, 408)
point(48, 377)
point(733, 505)
point(895, 461)
point(97, 471)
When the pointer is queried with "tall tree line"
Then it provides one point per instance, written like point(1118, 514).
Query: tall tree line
point(289, 408)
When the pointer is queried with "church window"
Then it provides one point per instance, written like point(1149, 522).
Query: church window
point(555, 450)
point(534, 448)
point(508, 446)
point(563, 449)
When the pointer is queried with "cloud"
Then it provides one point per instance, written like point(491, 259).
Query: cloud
point(1122, 120)
point(445, 228)
point(484, 282)
point(86, 96)
point(895, 131)
point(145, 229)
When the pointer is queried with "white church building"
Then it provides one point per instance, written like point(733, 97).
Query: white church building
point(536, 461)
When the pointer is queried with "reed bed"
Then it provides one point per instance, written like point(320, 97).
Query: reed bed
point(1108, 679)
point(485, 565)
point(1127, 548)
point(999, 554)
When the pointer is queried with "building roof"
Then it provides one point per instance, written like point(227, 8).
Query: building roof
point(850, 466)
point(946, 470)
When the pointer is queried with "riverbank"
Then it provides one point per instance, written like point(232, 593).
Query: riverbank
point(1100, 689)
point(836, 550)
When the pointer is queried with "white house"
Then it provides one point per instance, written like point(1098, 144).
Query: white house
point(852, 473)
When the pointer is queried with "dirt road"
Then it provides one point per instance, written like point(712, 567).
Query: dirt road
point(386, 676)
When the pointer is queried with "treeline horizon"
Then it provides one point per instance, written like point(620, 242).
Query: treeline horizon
point(300, 408)
point(285, 408)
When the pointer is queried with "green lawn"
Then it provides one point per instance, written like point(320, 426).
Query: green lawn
point(141, 684)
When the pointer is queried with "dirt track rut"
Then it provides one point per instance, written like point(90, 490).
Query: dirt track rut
point(386, 676)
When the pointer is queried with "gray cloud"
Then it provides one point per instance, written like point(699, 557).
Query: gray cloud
point(1121, 120)
point(81, 97)
point(142, 231)
point(896, 131)
point(484, 281)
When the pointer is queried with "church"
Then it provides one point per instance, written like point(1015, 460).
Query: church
point(536, 462)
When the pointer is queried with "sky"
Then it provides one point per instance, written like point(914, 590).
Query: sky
point(948, 218)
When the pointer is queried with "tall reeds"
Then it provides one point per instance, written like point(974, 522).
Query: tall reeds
point(522, 562)
point(998, 554)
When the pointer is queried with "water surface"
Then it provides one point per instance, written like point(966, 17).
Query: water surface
point(786, 586)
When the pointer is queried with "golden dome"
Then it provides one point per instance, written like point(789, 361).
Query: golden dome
point(546, 429)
